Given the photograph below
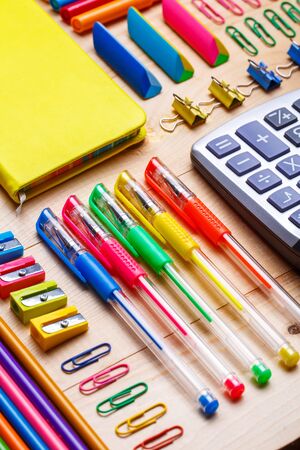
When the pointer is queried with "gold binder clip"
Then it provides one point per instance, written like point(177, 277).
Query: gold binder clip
point(186, 113)
point(229, 97)
point(133, 427)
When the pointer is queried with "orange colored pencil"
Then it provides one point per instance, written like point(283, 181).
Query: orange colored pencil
point(10, 436)
point(107, 13)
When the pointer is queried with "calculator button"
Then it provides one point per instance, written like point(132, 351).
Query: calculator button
point(290, 166)
point(243, 163)
point(296, 105)
point(280, 118)
point(293, 135)
point(262, 140)
point(223, 146)
point(298, 184)
point(263, 181)
point(295, 218)
point(284, 199)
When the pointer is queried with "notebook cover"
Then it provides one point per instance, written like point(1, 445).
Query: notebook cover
point(57, 104)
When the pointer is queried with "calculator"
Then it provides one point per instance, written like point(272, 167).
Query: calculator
point(253, 161)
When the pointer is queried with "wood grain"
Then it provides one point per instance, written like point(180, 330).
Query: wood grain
point(266, 418)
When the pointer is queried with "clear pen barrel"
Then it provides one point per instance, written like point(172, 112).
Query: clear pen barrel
point(260, 276)
point(261, 327)
point(210, 318)
point(184, 376)
point(212, 363)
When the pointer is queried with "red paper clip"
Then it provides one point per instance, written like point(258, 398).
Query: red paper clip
point(162, 444)
point(253, 3)
point(232, 6)
point(99, 380)
point(209, 11)
point(19, 274)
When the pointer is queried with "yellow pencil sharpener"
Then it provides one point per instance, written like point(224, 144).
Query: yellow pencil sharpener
point(56, 327)
point(37, 300)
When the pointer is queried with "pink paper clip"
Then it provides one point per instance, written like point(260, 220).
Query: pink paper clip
point(209, 11)
point(99, 380)
point(232, 6)
point(253, 3)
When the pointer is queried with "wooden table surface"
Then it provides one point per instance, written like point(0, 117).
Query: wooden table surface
point(265, 418)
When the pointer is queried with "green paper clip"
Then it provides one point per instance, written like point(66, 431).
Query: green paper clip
point(259, 30)
point(279, 23)
point(291, 10)
point(241, 40)
point(118, 405)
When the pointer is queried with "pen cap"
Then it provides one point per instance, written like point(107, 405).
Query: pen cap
point(96, 276)
point(167, 185)
point(138, 202)
point(184, 202)
point(112, 215)
point(144, 206)
point(51, 229)
point(86, 227)
point(131, 235)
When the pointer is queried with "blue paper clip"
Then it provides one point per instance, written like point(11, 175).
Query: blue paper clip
point(155, 45)
point(10, 248)
point(78, 361)
point(124, 63)
point(294, 54)
point(262, 77)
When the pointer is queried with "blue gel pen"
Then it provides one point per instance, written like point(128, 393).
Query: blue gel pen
point(90, 272)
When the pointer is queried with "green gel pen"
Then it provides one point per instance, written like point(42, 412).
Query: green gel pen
point(142, 245)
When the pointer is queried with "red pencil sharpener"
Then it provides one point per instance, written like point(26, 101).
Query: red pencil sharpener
point(19, 274)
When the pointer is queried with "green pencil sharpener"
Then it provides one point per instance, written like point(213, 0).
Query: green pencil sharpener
point(37, 300)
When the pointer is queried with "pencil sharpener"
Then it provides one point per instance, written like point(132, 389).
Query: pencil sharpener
point(37, 300)
point(19, 274)
point(10, 248)
point(56, 327)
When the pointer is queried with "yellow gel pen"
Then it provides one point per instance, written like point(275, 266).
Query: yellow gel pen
point(164, 226)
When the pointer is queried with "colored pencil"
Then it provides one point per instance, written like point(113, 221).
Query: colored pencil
point(31, 414)
point(48, 386)
point(18, 421)
point(12, 439)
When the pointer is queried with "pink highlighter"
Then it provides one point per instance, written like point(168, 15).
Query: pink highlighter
point(198, 36)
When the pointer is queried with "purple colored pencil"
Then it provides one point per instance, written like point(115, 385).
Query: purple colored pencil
point(40, 400)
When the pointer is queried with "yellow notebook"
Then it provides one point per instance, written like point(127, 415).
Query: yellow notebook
point(59, 112)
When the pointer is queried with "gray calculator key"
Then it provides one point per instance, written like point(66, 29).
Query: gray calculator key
point(290, 166)
point(243, 163)
point(280, 118)
point(263, 181)
point(296, 105)
point(223, 146)
point(293, 135)
point(284, 199)
point(262, 140)
point(295, 218)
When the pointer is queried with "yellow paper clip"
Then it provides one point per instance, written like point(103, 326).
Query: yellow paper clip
point(229, 97)
point(54, 328)
point(186, 113)
point(133, 427)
